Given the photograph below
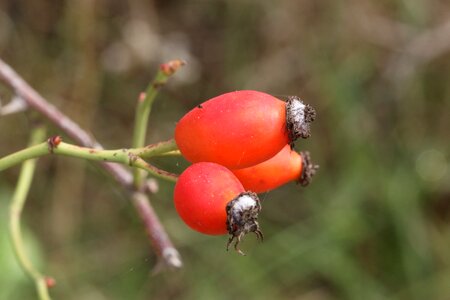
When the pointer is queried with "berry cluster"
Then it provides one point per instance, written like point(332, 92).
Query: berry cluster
point(240, 143)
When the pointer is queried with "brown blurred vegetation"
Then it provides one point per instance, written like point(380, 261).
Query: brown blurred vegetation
point(375, 222)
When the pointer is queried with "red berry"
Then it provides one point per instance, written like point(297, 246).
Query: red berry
point(242, 128)
point(286, 166)
point(211, 200)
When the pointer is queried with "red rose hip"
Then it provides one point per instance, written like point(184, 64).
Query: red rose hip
point(242, 128)
point(286, 166)
point(211, 200)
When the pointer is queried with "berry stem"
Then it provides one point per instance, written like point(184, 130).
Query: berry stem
point(15, 213)
point(144, 107)
point(122, 156)
point(158, 149)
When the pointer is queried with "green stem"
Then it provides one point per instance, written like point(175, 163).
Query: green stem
point(144, 107)
point(22, 155)
point(123, 156)
point(158, 149)
point(17, 204)
point(172, 153)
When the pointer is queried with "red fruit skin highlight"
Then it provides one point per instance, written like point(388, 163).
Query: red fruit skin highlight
point(284, 167)
point(237, 129)
point(201, 195)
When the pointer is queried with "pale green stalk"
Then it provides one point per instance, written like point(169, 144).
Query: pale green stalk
point(17, 204)
point(159, 149)
point(123, 156)
point(144, 107)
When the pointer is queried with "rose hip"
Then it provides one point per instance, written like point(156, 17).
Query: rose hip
point(242, 128)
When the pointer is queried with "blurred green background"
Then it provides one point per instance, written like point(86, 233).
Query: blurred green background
point(374, 223)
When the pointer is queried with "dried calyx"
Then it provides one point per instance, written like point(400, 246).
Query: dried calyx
point(298, 118)
point(309, 169)
point(242, 218)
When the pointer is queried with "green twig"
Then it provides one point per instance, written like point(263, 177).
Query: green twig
point(123, 156)
point(22, 155)
point(144, 107)
point(158, 149)
point(171, 153)
point(17, 204)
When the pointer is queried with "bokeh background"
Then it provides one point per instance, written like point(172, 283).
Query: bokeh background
point(374, 223)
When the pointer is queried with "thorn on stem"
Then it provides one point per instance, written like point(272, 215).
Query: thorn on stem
point(53, 142)
point(142, 96)
point(50, 281)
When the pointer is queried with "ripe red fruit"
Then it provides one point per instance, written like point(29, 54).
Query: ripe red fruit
point(287, 165)
point(211, 200)
point(242, 128)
